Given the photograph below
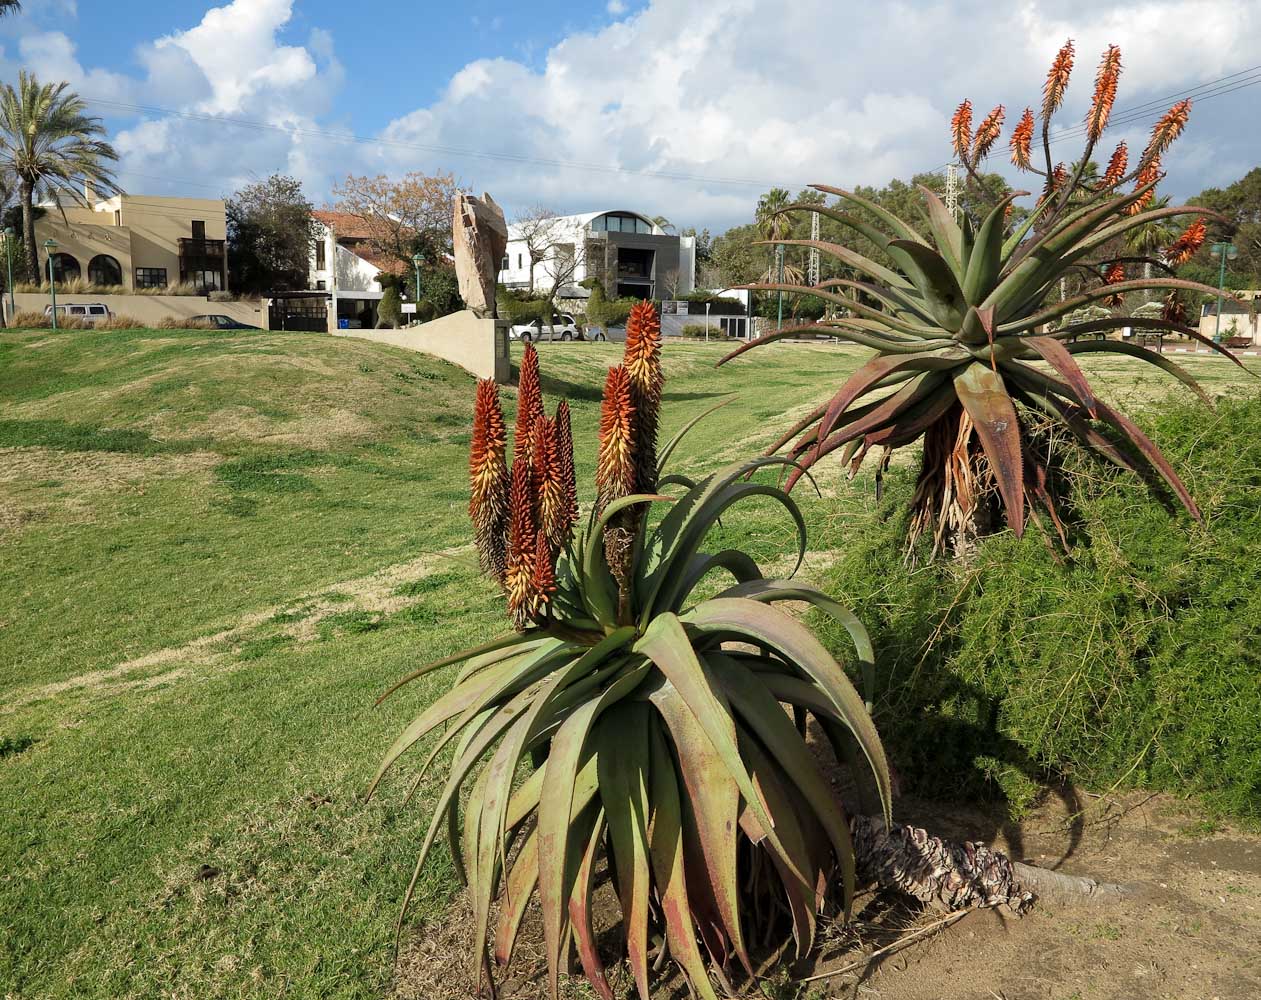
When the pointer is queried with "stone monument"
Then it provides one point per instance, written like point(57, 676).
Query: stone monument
point(480, 236)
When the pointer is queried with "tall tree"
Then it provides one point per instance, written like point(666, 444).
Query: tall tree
point(403, 216)
point(270, 235)
point(52, 146)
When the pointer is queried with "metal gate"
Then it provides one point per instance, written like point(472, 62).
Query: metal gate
point(299, 312)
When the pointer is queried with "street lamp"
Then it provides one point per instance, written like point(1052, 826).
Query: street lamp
point(416, 262)
point(49, 247)
point(1226, 251)
point(9, 235)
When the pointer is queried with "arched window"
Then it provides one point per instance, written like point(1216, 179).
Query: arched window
point(65, 268)
point(621, 222)
point(104, 270)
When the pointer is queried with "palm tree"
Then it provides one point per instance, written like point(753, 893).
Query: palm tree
point(10, 7)
point(662, 223)
point(1151, 237)
point(52, 146)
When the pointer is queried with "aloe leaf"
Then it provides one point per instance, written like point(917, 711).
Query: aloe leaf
point(984, 397)
point(986, 260)
point(769, 591)
point(556, 806)
point(503, 642)
point(580, 913)
point(666, 846)
point(1151, 357)
point(1054, 354)
point(765, 718)
point(1102, 292)
point(945, 231)
point(857, 261)
point(900, 228)
point(748, 620)
point(522, 879)
point(874, 371)
point(623, 755)
point(715, 803)
point(1072, 415)
point(1118, 322)
point(738, 563)
point(931, 275)
point(664, 453)
point(884, 318)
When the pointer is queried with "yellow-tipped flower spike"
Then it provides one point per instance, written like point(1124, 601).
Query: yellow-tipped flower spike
point(1185, 246)
point(529, 403)
point(642, 361)
point(615, 463)
point(1167, 129)
point(961, 130)
point(1149, 173)
point(1105, 93)
point(1022, 140)
point(1057, 81)
point(523, 531)
point(1117, 165)
point(488, 478)
point(987, 133)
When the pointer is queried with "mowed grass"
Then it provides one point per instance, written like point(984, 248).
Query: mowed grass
point(215, 551)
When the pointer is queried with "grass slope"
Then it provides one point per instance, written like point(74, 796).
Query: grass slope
point(216, 550)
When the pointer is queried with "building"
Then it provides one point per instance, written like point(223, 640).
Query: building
point(138, 241)
point(1238, 323)
point(628, 252)
point(345, 264)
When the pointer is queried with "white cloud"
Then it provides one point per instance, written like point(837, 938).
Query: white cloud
point(791, 94)
point(617, 7)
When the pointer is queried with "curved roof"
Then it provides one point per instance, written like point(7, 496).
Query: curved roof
point(585, 218)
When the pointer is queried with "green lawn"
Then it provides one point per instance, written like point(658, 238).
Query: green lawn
point(216, 550)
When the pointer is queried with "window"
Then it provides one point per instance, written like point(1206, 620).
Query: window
point(104, 270)
point(519, 262)
point(319, 255)
point(621, 222)
point(151, 277)
point(206, 280)
point(320, 285)
point(199, 229)
point(118, 216)
point(504, 264)
point(65, 268)
point(97, 311)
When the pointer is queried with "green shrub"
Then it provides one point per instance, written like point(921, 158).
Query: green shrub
point(698, 331)
point(1134, 658)
point(390, 308)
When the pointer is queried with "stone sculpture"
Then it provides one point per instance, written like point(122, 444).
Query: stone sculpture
point(481, 238)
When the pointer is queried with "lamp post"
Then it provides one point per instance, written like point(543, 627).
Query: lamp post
point(9, 235)
point(49, 247)
point(1226, 251)
point(779, 253)
point(707, 305)
point(416, 261)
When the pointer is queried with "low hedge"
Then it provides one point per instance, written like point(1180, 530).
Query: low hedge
point(1134, 659)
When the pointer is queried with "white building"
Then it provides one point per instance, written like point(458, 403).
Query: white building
point(633, 256)
point(344, 264)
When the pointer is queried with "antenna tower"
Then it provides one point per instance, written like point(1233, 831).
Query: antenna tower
point(813, 276)
point(952, 190)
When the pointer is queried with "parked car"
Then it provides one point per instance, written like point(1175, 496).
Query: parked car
point(565, 327)
point(221, 322)
point(88, 312)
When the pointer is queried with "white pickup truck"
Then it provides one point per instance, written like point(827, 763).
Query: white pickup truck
point(564, 327)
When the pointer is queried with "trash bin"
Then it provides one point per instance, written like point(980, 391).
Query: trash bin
point(343, 324)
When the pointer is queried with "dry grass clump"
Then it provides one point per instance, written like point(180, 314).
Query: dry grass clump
point(181, 323)
point(28, 319)
point(78, 286)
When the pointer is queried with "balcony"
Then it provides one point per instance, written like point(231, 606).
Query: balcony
point(195, 248)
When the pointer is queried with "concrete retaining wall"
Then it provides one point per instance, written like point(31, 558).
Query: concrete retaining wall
point(149, 309)
point(479, 346)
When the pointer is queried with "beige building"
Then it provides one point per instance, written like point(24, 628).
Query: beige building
point(138, 241)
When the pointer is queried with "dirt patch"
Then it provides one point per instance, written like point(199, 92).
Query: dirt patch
point(1189, 929)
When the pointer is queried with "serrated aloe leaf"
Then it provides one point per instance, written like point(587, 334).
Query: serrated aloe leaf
point(736, 562)
point(522, 879)
point(986, 259)
point(896, 225)
point(933, 279)
point(1151, 357)
point(769, 591)
point(739, 618)
point(857, 261)
point(580, 913)
point(945, 231)
point(1054, 354)
point(664, 453)
point(874, 371)
point(503, 642)
point(715, 802)
point(985, 398)
point(666, 847)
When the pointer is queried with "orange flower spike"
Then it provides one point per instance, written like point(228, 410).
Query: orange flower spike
point(1148, 175)
point(565, 455)
point(529, 403)
point(1105, 93)
point(488, 478)
point(1022, 140)
point(553, 521)
point(1167, 129)
point(961, 130)
point(1185, 246)
point(542, 574)
point(1117, 165)
point(615, 465)
point(987, 133)
point(1114, 275)
point(522, 534)
point(1057, 81)
point(642, 361)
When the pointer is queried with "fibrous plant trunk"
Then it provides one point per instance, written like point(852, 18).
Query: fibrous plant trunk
point(956, 496)
point(958, 876)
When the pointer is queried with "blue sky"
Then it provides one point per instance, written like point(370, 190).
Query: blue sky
point(671, 107)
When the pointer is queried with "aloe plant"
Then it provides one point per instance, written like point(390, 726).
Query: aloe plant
point(965, 316)
point(633, 715)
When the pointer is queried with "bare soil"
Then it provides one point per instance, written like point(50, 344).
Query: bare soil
point(1190, 928)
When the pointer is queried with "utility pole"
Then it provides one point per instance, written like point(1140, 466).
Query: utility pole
point(813, 277)
point(952, 190)
point(1226, 251)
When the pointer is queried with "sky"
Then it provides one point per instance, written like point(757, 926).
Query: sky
point(684, 109)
